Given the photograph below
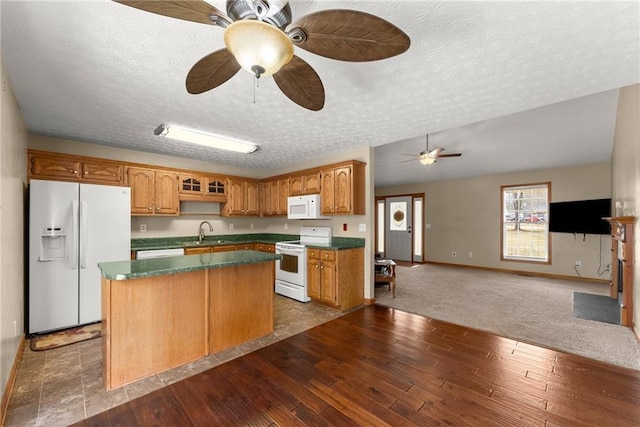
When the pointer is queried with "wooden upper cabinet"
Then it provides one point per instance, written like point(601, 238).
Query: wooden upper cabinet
point(201, 188)
point(54, 167)
point(102, 171)
point(65, 167)
point(343, 189)
point(305, 183)
point(284, 186)
point(190, 184)
point(273, 199)
point(327, 179)
point(252, 197)
point(153, 192)
point(141, 182)
point(215, 186)
point(166, 193)
point(265, 198)
point(242, 198)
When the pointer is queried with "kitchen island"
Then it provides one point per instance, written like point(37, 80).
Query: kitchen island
point(161, 313)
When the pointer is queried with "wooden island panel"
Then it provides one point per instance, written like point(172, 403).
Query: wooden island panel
point(152, 324)
point(241, 304)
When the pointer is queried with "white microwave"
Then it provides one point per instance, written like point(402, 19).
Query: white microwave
point(305, 207)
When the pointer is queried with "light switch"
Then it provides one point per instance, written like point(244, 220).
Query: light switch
point(362, 227)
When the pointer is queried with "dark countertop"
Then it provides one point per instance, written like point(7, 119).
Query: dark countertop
point(337, 243)
point(134, 269)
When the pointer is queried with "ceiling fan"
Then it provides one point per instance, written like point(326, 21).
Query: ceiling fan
point(427, 157)
point(259, 37)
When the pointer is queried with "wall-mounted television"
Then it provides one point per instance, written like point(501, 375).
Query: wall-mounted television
point(580, 217)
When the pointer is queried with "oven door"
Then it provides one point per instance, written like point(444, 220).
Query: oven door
point(292, 267)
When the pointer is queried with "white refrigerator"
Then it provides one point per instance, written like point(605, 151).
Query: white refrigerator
point(73, 227)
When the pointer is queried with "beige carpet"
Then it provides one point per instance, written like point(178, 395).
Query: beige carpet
point(530, 309)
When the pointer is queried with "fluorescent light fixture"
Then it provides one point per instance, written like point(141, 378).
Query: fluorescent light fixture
point(200, 138)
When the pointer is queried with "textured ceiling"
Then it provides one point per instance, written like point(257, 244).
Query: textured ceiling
point(101, 72)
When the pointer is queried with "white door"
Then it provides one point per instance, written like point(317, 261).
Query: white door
point(53, 260)
point(398, 228)
point(105, 235)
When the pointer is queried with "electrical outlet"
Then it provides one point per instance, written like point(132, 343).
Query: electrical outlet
point(286, 226)
point(578, 263)
point(231, 226)
point(453, 254)
point(251, 226)
point(143, 228)
point(15, 328)
point(470, 254)
point(362, 227)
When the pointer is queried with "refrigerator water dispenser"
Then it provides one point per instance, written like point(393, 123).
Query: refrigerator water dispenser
point(53, 244)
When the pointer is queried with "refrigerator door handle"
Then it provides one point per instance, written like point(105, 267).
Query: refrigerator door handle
point(83, 235)
point(74, 254)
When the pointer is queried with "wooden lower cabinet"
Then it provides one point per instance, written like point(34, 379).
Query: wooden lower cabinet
point(152, 324)
point(222, 248)
point(265, 247)
point(336, 278)
point(246, 246)
point(241, 304)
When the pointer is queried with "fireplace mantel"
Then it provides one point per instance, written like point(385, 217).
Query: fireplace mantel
point(622, 265)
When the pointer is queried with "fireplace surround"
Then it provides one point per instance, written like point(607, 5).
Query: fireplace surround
point(622, 266)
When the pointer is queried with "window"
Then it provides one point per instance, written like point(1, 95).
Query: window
point(380, 226)
point(525, 226)
point(417, 229)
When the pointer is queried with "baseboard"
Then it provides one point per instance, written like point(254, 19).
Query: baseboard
point(634, 328)
point(521, 272)
point(369, 301)
point(12, 378)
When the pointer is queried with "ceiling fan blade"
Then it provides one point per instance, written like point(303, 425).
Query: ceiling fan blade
point(301, 84)
point(211, 71)
point(411, 160)
point(449, 155)
point(436, 152)
point(193, 10)
point(349, 35)
point(412, 155)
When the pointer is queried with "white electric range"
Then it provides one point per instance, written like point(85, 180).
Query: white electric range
point(291, 270)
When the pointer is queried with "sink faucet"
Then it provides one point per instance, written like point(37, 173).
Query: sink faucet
point(201, 231)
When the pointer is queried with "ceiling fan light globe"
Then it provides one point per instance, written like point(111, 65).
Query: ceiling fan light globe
point(255, 43)
point(426, 160)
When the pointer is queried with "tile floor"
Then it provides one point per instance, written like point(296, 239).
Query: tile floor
point(62, 386)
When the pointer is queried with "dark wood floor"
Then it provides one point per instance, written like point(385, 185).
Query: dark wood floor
point(380, 366)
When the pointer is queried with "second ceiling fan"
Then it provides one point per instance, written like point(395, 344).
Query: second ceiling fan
point(427, 157)
point(259, 37)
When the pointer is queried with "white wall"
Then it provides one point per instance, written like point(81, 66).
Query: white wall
point(13, 142)
point(625, 165)
point(465, 217)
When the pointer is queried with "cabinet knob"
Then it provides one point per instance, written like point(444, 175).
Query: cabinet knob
point(75, 171)
point(86, 173)
point(149, 208)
